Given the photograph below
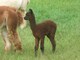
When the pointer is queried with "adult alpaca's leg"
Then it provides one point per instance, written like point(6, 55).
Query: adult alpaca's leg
point(7, 43)
point(36, 45)
point(17, 42)
point(14, 38)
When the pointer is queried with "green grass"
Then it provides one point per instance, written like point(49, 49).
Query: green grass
point(66, 14)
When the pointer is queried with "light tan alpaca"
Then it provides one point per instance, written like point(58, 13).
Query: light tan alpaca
point(10, 19)
point(20, 5)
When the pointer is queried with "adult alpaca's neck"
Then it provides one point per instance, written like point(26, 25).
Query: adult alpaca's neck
point(32, 22)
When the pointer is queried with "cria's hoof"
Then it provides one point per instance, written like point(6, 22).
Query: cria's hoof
point(53, 50)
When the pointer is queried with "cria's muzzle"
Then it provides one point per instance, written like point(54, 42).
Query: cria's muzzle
point(26, 18)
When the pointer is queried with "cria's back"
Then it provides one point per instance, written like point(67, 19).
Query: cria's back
point(46, 27)
point(47, 24)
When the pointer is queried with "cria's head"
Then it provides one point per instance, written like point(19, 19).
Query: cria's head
point(29, 14)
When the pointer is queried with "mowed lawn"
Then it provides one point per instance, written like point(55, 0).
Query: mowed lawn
point(66, 14)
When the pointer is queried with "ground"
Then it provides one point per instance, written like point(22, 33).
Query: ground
point(66, 14)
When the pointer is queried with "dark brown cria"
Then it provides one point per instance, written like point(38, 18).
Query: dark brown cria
point(47, 28)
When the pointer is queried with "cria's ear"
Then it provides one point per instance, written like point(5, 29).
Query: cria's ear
point(30, 10)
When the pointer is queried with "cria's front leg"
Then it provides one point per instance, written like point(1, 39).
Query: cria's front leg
point(36, 45)
point(42, 45)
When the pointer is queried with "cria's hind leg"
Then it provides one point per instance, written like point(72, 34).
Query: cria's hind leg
point(52, 40)
point(42, 45)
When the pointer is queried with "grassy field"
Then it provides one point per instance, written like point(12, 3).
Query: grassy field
point(66, 14)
